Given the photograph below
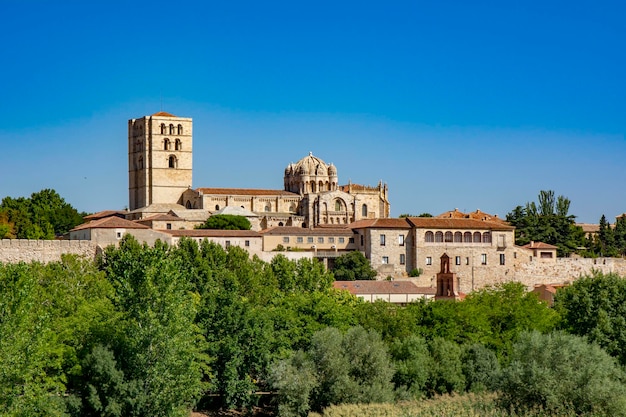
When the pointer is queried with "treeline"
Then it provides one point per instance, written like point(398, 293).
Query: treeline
point(159, 330)
point(43, 215)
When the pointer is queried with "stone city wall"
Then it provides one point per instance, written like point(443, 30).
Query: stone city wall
point(22, 250)
point(566, 270)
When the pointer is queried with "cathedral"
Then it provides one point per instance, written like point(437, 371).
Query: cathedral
point(160, 159)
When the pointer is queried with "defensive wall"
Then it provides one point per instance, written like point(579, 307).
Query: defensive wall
point(23, 250)
point(566, 270)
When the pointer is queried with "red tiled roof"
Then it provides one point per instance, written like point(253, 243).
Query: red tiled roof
point(381, 224)
point(163, 114)
point(382, 287)
point(245, 191)
point(110, 223)
point(105, 213)
point(161, 217)
point(539, 245)
point(476, 215)
point(291, 230)
point(452, 223)
point(211, 233)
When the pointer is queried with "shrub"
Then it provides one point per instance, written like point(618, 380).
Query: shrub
point(559, 373)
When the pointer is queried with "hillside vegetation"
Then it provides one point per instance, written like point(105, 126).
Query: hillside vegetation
point(158, 331)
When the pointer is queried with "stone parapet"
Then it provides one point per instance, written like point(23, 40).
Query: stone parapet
point(24, 250)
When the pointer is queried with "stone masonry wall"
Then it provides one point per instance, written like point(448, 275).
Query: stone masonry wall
point(21, 250)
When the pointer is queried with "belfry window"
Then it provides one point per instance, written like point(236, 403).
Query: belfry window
point(171, 129)
point(178, 145)
point(163, 130)
point(172, 162)
point(180, 129)
point(166, 144)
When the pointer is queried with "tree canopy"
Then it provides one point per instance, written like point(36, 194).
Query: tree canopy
point(353, 266)
point(43, 215)
point(547, 221)
point(226, 222)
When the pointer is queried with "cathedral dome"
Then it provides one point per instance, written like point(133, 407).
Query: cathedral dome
point(311, 165)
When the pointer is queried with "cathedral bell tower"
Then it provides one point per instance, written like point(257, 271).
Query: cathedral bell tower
point(159, 159)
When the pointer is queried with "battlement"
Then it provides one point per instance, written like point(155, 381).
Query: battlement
point(25, 250)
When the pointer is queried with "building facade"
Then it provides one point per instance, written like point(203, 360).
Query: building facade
point(160, 156)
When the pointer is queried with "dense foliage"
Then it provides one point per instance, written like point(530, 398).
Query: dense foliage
point(226, 222)
point(352, 266)
point(42, 216)
point(159, 330)
point(610, 239)
point(547, 221)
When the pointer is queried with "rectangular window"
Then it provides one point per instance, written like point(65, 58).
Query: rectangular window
point(309, 239)
point(502, 259)
point(247, 243)
point(402, 259)
point(343, 240)
point(227, 244)
point(285, 239)
point(168, 226)
point(362, 240)
point(457, 260)
point(467, 260)
point(429, 260)
point(401, 240)
point(385, 259)
point(351, 240)
point(320, 240)
point(300, 239)
point(382, 240)
point(331, 240)
point(483, 259)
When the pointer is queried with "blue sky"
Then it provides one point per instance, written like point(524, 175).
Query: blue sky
point(454, 104)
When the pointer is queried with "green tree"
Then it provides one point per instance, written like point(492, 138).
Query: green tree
point(480, 367)
point(605, 244)
point(562, 373)
point(49, 316)
point(158, 345)
point(594, 306)
point(42, 216)
point(548, 221)
point(353, 266)
point(412, 364)
point(226, 222)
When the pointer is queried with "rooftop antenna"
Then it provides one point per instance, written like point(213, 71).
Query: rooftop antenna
point(161, 98)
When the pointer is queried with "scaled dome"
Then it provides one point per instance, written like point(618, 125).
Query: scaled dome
point(311, 165)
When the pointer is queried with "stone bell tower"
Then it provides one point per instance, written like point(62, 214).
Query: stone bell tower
point(159, 159)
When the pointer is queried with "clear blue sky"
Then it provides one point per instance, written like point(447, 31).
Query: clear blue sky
point(454, 104)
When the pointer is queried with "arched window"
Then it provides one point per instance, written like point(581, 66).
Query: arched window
point(178, 145)
point(486, 237)
point(337, 205)
point(292, 207)
point(458, 237)
point(172, 129)
point(217, 207)
point(267, 208)
point(163, 129)
point(280, 224)
point(429, 237)
point(313, 187)
point(467, 237)
point(332, 220)
point(477, 237)
point(172, 162)
point(188, 204)
point(439, 237)
point(448, 236)
point(364, 210)
point(166, 144)
point(180, 129)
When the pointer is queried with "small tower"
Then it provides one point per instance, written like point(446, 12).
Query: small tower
point(445, 280)
point(159, 159)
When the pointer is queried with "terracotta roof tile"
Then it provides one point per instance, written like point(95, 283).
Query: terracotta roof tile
point(382, 287)
point(105, 213)
point(452, 223)
point(163, 114)
point(381, 224)
point(211, 233)
point(110, 223)
point(291, 230)
point(245, 191)
point(539, 245)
